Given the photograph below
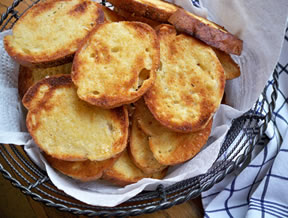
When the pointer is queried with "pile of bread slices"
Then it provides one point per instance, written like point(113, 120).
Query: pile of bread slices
point(120, 94)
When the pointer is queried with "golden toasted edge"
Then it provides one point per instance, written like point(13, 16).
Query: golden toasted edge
point(145, 10)
point(216, 37)
point(25, 80)
point(61, 57)
point(111, 16)
point(112, 102)
point(231, 69)
point(84, 171)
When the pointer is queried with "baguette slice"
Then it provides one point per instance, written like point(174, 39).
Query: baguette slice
point(84, 171)
point(140, 152)
point(189, 85)
point(111, 16)
point(124, 172)
point(50, 32)
point(207, 31)
point(29, 76)
point(168, 147)
point(157, 10)
point(231, 69)
point(67, 128)
point(117, 64)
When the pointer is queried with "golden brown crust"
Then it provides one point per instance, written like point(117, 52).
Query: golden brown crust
point(168, 147)
point(57, 121)
point(147, 8)
point(124, 172)
point(81, 170)
point(34, 48)
point(189, 84)
point(112, 81)
point(207, 31)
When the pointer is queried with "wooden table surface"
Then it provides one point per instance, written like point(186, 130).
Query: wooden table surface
point(13, 203)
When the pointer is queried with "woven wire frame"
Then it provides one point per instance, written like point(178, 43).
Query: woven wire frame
point(240, 140)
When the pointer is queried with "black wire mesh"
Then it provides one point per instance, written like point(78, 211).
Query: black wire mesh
point(240, 140)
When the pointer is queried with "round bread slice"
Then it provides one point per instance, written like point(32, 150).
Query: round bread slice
point(29, 76)
point(168, 147)
point(124, 172)
point(157, 10)
point(50, 32)
point(84, 171)
point(189, 85)
point(140, 152)
point(68, 128)
point(117, 64)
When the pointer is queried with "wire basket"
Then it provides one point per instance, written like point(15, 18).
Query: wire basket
point(245, 132)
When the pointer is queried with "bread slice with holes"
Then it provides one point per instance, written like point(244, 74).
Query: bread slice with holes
point(140, 152)
point(50, 32)
point(157, 10)
point(206, 31)
point(111, 16)
point(231, 69)
point(29, 76)
point(125, 172)
point(189, 85)
point(168, 147)
point(67, 128)
point(133, 17)
point(84, 171)
point(117, 64)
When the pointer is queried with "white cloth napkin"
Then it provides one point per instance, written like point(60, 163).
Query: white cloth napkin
point(253, 62)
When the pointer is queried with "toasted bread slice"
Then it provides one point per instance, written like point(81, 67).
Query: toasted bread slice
point(231, 69)
point(157, 10)
point(140, 152)
point(50, 32)
point(29, 76)
point(81, 170)
point(189, 85)
point(111, 16)
point(124, 172)
point(206, 31)
point(67, 128)
point(133, 17)
point(168, 147)
point(117, 64)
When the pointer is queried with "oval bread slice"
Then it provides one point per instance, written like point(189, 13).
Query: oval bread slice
point(189, 85)
point(157, 10)
point(29, 76)
point(124, 172)
point(206, 31)
point(168, 147)
point(140, 152)
point(84, 171)
point(50, 32)
point(67, 128)
point(117, 63)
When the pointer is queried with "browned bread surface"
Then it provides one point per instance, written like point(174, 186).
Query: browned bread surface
point(29, 76)
point(117, 64)
point(189, 85)
point(168, 147)
point(111, 16)
point(125, 172)
point(153, 9)
point(140, 152)
point(207, 31)
point(81, 170)
point(231, 69)
point(68, 128)
point(50, 32)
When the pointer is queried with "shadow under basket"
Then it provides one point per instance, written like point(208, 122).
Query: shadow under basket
point(245, 132)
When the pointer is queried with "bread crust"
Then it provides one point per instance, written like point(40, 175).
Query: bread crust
point(52, 101)
point(121, 90)
point(35, 57)
point(147, 8)
point(207, 31)
point(185, 82)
